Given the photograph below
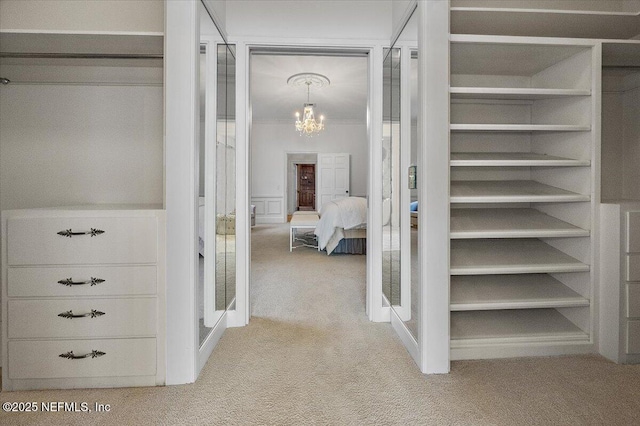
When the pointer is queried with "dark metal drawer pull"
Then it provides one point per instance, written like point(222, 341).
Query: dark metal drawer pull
point(71, 315)
point(92, 354)
point(69, 232)
point(69, 281)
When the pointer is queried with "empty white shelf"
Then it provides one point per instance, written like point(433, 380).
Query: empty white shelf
point(525, 93)
point(510, 191)
point(518, 128)
point(516, 256)
point(511, 326)
point(512, 159)
point(478, 55)
point(509, 223)
point(556, 23)
point(492, 292)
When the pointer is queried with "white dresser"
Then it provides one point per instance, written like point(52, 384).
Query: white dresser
point(620, 281)
point(83, 297)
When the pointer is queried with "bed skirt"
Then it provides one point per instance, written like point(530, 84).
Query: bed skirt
point(351, 246)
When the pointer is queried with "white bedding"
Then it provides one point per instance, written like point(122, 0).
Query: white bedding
point(337, 216)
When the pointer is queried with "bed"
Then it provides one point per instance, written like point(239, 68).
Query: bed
point(342, 227)
point(413, 209)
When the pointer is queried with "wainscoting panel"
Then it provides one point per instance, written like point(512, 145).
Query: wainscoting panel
point(269, 208)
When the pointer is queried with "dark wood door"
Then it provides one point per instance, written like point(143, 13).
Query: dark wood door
point(306, 186)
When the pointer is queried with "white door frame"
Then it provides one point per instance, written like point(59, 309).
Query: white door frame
point(374, 51)
point(182, 29)
point(184, 358)
point(431, 350)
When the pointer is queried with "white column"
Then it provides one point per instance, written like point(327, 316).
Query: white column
point(433, 183)
point(181, 131)
point(239, 317)
point(374, 215)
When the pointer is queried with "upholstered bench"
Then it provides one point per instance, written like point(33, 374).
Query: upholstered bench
point(301, 221)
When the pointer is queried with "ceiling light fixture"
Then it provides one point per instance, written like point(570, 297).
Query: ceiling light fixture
point(307, 124)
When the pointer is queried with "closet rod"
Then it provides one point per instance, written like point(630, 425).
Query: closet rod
point(80, 55)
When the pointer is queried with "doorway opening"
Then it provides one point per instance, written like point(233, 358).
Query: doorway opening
point(295, 162)
point(305, 187)
point(294, 177)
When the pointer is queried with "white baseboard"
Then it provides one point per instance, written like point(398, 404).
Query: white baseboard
point(210, 342)
point(408, 340)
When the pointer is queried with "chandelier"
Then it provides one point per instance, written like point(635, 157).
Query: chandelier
point(307, 124)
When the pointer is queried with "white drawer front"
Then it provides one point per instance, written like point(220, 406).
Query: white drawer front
point(35, 241)
point(633, 300)
point(118, 280)
point(633, 267)
point(120, 318)
point(633, 337)
point(633, 232)
point(41, 360)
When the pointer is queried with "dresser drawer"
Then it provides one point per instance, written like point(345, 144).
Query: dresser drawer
point(633, 300)
point(35, 241)
point(633, 267)
point(41, 359)
point(112, 318)
point(65, 281)
point(633, 232)
point(633, 337)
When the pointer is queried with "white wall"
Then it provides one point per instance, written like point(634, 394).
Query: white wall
point(90, 16)
point(612, 137)
point(80, 144)
point(270, 141)
point(310, 19)
point(620, 136)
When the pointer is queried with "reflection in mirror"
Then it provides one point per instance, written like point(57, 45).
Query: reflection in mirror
point(211, 243)
point(203, 330)
point(225, 190)
point(231, 184)
point(401, 281)
point(391, 178)
point(412, 323)
point(224, 223)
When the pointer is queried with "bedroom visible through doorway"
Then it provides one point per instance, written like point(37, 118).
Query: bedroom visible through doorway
point(309, 192)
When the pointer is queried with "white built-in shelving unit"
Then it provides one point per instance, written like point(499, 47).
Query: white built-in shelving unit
point(524, 161)
point(82, 124)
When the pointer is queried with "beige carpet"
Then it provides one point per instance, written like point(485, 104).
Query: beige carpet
point(310, 356)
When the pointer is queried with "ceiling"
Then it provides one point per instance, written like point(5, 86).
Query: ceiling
point(273, 99)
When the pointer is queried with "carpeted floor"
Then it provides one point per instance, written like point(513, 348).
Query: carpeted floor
point(309, 356)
